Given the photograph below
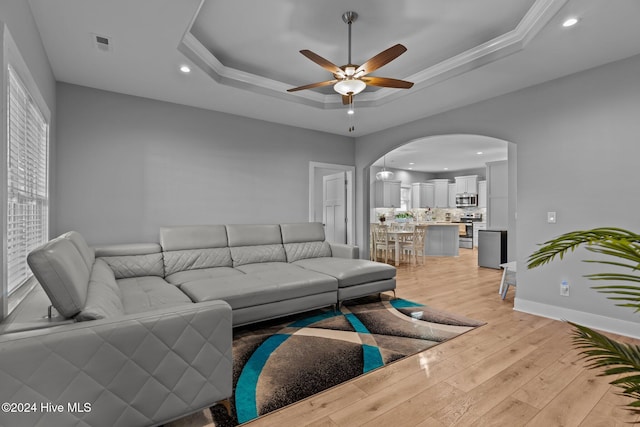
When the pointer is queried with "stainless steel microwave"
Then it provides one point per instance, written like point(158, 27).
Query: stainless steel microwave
point(465, 200)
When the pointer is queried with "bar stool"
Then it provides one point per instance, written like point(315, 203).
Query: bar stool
point(508, 277)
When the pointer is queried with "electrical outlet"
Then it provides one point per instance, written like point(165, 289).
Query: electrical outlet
point(564, 288)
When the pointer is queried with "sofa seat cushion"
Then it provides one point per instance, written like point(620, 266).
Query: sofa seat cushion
point(203, 273)
point(266, 266)
point(145, 293)
point(349, 272)
point(264, 287)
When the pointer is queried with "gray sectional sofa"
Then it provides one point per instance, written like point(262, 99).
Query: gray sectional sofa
point(144, 333)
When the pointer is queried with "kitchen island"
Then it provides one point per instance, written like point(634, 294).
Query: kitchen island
point(441, 239)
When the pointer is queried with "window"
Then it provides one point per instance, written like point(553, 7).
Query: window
point(405, 198)
point(27, 186)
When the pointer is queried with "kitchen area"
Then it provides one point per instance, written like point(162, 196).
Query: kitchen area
point(465, 209)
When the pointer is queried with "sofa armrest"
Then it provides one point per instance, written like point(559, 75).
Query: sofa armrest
point(135, 370)
point(340, 250)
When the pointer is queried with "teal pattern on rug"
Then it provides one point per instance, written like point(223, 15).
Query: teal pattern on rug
point(371, 354)
point(278, 363)
point(246, 387)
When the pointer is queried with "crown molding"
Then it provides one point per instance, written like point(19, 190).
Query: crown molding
point(513, 41)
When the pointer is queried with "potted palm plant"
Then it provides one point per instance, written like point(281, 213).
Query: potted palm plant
point(600, 351)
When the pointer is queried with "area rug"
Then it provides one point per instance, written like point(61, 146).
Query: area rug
point(279, 363)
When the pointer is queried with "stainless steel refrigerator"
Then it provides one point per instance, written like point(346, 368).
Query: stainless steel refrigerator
point(492, 248)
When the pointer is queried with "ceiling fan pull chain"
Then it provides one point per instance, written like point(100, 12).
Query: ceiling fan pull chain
point(351, 113)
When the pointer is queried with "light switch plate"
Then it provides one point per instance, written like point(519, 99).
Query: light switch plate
point(551, 217)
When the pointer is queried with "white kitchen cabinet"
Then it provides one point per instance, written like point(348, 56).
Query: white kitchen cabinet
point(482, 194)
point(387, 194)
point(441, 192)
point(498, 195)
point(452, 195)
point(422, 195)
point(467, 184)
point(477, 226)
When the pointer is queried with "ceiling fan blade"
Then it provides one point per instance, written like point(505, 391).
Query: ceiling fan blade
point(347, 99)
point(312, 85)
point(326, 64)
point(380, 59)
point(387, 82)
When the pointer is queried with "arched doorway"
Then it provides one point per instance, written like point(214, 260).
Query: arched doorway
point(443, 157)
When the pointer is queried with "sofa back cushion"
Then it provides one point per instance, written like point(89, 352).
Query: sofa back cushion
point(255, 243)
point(133, 260)
point(304, 240)
point(104, 299)
point(193, 247)
point(63, 273)
point(183, 237)
point(88, 254)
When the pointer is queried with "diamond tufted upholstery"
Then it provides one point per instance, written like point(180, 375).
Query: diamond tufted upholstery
point(132, 260)
point(135, 370)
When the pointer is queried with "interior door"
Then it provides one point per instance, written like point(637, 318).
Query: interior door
point(334, 207)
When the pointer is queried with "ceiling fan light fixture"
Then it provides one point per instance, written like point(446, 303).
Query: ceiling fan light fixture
point(349, 86)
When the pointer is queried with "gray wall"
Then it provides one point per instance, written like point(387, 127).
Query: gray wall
point(577, 154)
point(16, 15)
point(128, 165)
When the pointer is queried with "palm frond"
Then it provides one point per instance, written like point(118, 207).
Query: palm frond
point(613, 276)
point(570, 241)
point(616, 358)
point(630, 294)
point(599, 351)
point(614, 242)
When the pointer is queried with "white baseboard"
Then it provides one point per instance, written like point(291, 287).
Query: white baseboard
point(594, 321)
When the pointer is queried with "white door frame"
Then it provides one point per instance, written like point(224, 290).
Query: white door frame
point(351, 195)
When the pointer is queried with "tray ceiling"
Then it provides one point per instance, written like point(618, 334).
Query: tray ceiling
point(244, 53)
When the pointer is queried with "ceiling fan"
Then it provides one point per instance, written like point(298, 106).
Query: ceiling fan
point(351, 79)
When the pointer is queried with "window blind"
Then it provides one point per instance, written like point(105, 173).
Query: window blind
point(27, 166)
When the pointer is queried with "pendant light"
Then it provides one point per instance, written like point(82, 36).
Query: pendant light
point(384, 174)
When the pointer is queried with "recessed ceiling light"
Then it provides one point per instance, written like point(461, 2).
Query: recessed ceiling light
point(185, 69)
point(570, 22)
point(412, 163)
point(479, 153)
point(410, 169)
point(446, 169)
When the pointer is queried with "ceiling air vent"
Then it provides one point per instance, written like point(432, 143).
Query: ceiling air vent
point(102, 43)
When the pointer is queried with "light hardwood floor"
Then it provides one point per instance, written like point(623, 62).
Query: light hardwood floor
point(517, 370)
